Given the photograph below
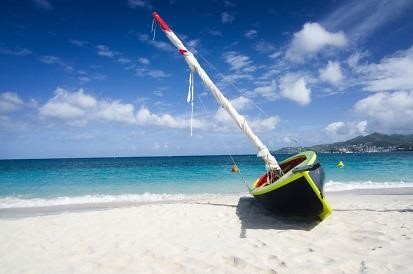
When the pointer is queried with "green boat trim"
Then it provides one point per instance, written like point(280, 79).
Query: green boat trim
point(308, 158)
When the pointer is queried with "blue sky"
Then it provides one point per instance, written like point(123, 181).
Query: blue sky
point(85, 79)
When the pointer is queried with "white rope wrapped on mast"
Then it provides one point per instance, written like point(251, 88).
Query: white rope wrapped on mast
point(271, 163)
point(190, 97)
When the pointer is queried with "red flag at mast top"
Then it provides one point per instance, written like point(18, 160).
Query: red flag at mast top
point(167, 30)
point(160, 21)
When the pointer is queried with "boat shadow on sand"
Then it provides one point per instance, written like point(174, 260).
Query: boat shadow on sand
point(254, 216)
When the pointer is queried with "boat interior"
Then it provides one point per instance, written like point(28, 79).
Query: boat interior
point(287, 165)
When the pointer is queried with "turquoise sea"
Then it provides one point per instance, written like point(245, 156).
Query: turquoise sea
point(33, 183)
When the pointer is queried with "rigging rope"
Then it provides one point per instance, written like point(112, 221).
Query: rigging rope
point(153, 29)
point(190, 96)
point(239, 172)
point(232, 84)
point(229, 154)
point(193, 51)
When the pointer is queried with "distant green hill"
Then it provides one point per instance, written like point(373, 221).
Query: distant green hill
point(375, 142)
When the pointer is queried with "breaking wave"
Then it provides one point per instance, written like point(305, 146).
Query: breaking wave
point(21, 202)
point(331, 186)
point(18, 202)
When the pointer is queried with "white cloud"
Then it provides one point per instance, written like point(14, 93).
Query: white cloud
point(144, 116)
point(84, 79)
point(192, 44)
point(362, 18)
point(116, 111)
point(158, 93)
point(241, 67)
point(388, 111)
point(311, 39)
point(154, 73)
point(136, 3)
point(251, 34)
point(227, 17)
point(215, 32)
point(331, 73)
point(157, 146)
point(354, 59)
point(264, 47)
point(15, 51)
point(49, 59)
point(228, 3)
point(78, 43)
point(143, 61)
point(275, 54)
point(239, 62)
point(77, 108)
point(340, 131)
point(287, 140)
point(392, 73)
point(10, 101)
point(239, 103)
point(234, 77)
point(268, 91)
point(294, 87)
point(224, 122)
point(84, 76)
point(290, 86)
point(12, 125)
point(44, 4)
point(343, 131)
point(123, 60)
point(157, 44)
point(105, 51)
point(54, 60)
point(68, 105)
point(263, 125)
point(99, 76)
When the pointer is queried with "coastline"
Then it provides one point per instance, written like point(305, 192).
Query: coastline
point(18, 212)
point(369, 231)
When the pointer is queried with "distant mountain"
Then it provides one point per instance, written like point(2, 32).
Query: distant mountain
point(375, 142)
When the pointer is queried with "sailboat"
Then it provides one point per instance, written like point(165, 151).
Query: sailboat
point(293, 187)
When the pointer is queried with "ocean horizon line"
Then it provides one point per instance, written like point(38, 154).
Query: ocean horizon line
point(143, 156)
point(189, 155)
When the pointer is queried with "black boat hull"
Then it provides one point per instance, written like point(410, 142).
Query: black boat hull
point(298, 194)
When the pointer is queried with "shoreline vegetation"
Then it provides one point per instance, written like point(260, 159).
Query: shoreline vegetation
point(369, 231)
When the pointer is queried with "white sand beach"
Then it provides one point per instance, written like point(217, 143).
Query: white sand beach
point(368, 232)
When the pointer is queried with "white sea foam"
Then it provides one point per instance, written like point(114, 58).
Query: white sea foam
point(17, 202)
point(332, 186)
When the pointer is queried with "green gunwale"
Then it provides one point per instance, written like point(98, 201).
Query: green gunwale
point(289, 177)
point(310, 158)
